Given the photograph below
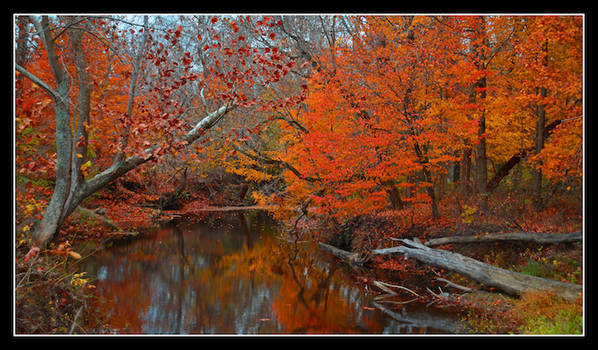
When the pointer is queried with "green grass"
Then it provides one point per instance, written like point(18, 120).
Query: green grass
point(545, 313)
point(565, 321)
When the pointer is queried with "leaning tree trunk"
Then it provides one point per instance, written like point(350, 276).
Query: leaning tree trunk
point(71, 187)
point(53, 214)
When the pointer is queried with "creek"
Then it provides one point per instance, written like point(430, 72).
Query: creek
point(231, 273)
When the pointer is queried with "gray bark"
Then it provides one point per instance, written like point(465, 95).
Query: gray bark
point(70, 187)
point(80, 116)
point(53, 214)
point(510, 282)
point(542, 238)
point(514, 283)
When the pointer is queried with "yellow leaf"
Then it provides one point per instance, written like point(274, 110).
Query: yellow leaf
point(79, 155)
point(74, 254)
point(86, 165)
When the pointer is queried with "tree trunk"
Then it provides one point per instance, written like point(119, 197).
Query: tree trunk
point(394, 195)
point(515, 159)
point(540, 126)
point(514, 283)
point(80, 118)
point(465, 168)
point(243, 191)
point(481, 159)
point(542, 238)
point(510, 282)
point(53, 215)
point(70, 187)
point(350, 258)
point(432, 194)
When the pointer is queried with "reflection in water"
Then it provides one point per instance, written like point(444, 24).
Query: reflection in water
point(231, 275)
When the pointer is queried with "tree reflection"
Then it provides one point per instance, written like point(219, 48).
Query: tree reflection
point(231, 275)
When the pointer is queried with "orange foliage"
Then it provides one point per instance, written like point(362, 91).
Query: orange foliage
point(405, 96)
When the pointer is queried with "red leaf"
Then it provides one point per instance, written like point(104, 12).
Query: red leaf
point(214, 20)
point(31, 254)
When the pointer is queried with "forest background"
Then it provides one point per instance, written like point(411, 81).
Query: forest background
point(429, 120)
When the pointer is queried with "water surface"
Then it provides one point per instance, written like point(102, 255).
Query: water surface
point(229, 273)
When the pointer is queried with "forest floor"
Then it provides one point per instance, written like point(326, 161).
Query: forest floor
point(52, 298)
point(487, 310)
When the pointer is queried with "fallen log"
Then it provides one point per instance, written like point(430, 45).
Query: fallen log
point(510, 282)
point(348, 257)
point(541, 238)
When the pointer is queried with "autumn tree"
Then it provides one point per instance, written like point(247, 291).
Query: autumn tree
point(552, 91)
point(347, 115)
point(540, 93)
point(146, 120)
point(398, 99)
point(366, 106)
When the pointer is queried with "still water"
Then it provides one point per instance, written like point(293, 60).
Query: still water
point(230, 273)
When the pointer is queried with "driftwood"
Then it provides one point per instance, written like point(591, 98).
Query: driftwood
point(455, 285)
point(510, 282)
point(542, 238)
point(348, 257)
point(513, 283)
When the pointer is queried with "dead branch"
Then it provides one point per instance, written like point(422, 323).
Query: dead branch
point(383, 286)
point(348, 257)
point(541, 238)
point(514, 283)
point(454, 285)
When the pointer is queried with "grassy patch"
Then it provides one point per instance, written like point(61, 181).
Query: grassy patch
point(545, 313)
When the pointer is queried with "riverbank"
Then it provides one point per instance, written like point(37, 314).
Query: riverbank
point(486, 309)
point(51, 295)
point(52, 298)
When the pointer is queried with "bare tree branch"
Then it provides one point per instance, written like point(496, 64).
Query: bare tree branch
point(37, 81)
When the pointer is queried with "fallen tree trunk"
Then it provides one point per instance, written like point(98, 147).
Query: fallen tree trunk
point(542, 238)
point(513, 283)
point(348, 257)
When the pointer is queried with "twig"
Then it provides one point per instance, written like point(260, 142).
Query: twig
point(398, 302)
point(27, 273)
point(75, 320)
point(434, 294)
point(383, 285)
point(454, 285)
